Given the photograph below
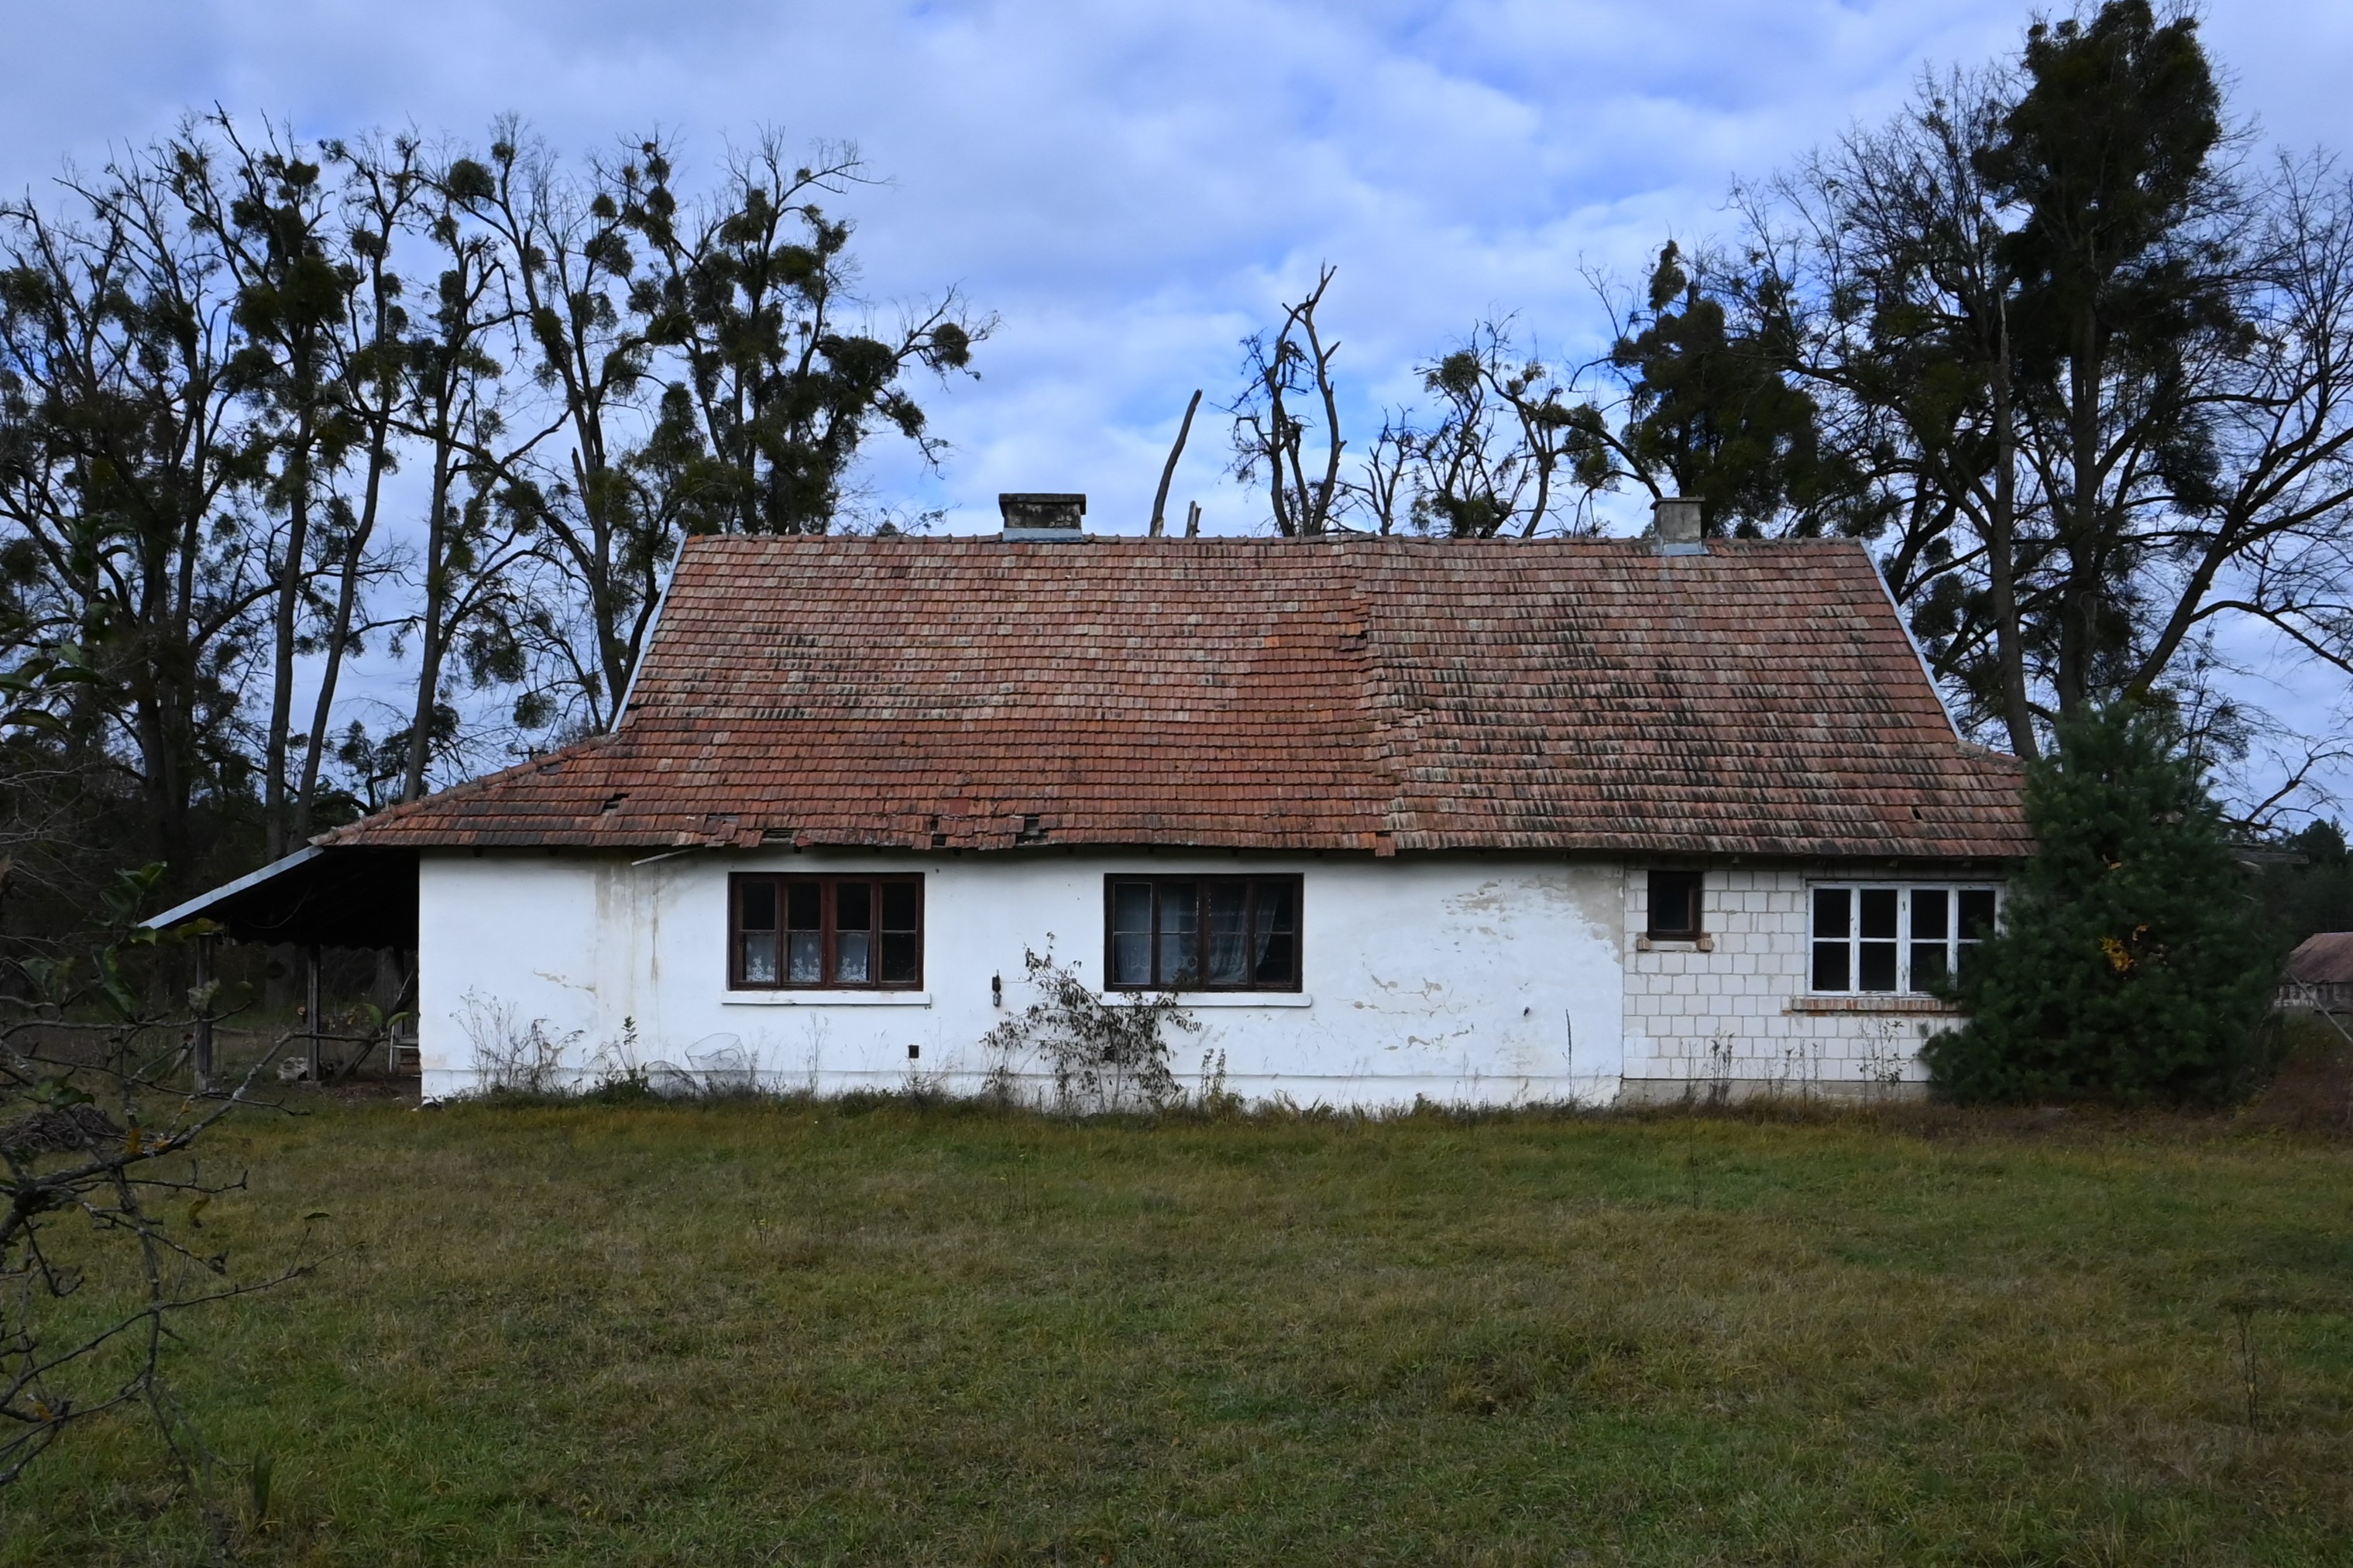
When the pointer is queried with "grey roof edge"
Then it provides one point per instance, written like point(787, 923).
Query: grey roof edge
point(1919, 654)
point(196, 907)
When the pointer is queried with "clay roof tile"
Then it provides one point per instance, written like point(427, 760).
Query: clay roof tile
point(1556, 695)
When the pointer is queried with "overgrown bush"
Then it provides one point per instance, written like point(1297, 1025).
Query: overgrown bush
point(512, 1056)
point(2132, 964)
point(1100, 1055)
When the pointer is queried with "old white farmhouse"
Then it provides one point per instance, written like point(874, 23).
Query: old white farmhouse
point(1480, 822)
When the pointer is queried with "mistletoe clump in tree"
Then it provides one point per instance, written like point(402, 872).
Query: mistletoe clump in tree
point(2132, 964)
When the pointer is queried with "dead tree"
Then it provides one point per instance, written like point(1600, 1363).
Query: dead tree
point(1270, 437)
point(1168, 472)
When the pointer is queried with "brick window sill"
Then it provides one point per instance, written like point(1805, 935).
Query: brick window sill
point(1874, 1003)
point(1668, 944)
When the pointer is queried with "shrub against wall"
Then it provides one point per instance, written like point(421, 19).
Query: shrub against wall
point(2133, 964)
point(1099, 1054)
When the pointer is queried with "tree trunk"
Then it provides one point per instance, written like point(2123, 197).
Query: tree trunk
point(437, 598)
point(1168, 472)
point(2080, 527)
point(275, 815)
point(322, 713)
point(2001, 563)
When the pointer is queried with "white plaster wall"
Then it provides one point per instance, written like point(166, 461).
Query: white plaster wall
point(1465, 979)
point(1695, 1018)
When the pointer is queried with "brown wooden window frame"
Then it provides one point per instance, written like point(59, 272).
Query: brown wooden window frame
point(1697, 882)
point(829, 930)
point(1156, 936)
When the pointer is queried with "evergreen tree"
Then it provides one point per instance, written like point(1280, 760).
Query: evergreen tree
point(1709, 409)
point(2133, 964)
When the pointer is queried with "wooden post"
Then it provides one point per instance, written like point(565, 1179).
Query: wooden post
point(310, 1005)
point(203, 1044)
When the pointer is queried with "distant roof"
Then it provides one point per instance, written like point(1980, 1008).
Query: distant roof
point(2323, 960)
point(1379, 694)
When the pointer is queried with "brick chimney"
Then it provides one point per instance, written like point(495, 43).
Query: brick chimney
point(1043, 516)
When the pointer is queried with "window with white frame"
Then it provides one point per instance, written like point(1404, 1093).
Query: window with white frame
point(1892, 938)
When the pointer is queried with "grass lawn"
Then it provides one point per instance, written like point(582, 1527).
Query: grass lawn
point(802, 1332)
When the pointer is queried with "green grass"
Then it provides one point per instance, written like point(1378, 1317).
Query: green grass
point(798, 1333)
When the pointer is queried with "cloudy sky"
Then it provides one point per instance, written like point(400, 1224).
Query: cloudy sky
point(1130, 188)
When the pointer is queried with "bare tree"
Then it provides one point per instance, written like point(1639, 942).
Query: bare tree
point(269, 218)
point(126, 459)
point(1491, 462)
point(483, 512)
point(782, 373)
point(1168, 470)
point(101, 1143)
point(573, 262)
point(2067, 518)
point(1270, 436)
point(384, 182)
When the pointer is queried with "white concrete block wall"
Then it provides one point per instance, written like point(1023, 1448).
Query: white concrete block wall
point(1694, 1019)
point(1472, 979)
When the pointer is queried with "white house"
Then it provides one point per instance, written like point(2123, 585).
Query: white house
point(1492, 821)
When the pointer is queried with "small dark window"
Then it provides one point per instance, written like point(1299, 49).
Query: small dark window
point(1675, 905)
point(1201, 933)
point(829, 933)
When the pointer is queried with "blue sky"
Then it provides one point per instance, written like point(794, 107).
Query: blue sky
point(1130, 188)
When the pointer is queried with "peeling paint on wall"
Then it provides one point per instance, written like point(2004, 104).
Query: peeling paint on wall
point(1426, 977)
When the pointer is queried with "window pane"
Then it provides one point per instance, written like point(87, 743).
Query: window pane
point(1276, 961)
point(759, 954)
point(853, 906)
point(902, 958)
point(755, 906)
point(804, 958)
point(1830, 965)
point(1674, 903)
point(1833, 909)
point(898, 906)
point(1877, 910)
point(1131, 933)
point(1962, 952)
point(1229, 943)
point(1976, 913)
point(1927, 965)
point(801, 906)
point(1180, 948)
point(1930, 907)
point(1875, 966)
point(853, 957)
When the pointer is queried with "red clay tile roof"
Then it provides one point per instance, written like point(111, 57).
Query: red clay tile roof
point(1376, 694)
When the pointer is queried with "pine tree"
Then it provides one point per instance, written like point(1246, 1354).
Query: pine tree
point(2133, 964)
